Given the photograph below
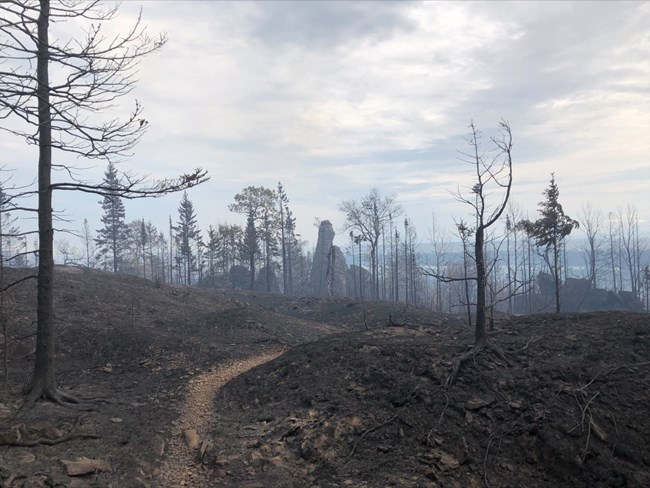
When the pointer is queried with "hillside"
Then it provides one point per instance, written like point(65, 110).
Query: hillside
point(274, 391)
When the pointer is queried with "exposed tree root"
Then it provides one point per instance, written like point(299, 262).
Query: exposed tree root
point(488, 346)
point(43, 441)
point(38, 391)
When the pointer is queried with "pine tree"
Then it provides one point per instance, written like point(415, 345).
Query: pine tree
point(283, 200)
point(290, 227)
point(187, 233)
point(112, 239)
point(250, 246)
point(549, 232)
point(258, 204)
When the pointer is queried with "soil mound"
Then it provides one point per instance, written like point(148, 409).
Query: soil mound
point(372, 409)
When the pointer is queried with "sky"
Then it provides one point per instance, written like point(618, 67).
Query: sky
point(335, 98)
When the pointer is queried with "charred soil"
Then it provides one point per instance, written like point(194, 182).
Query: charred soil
point(191, 387)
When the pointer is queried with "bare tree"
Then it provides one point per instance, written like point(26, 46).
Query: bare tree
point(493, 176)
point(611, 232)
point(492, 171)
point(89, 244)
point(591, 223)
point(631, 250)
point(60, 115)
point(465, 233)
point(368, 217)
point(440, 250)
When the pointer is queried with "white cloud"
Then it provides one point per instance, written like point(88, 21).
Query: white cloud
point(334, 98)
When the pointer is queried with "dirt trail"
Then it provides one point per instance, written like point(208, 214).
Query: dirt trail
point(182, 466)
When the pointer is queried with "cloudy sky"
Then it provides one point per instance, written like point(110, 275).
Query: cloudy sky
point(334, 98)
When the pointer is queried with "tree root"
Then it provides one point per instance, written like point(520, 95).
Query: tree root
point(44, 441)
point(488, 346)
point(37, 391)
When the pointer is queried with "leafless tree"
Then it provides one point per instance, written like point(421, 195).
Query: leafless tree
point(368, 217)
point(493, 171)
point(611, 232)
point(591, 223)
point(440, 250)
point(631, 249)
point(56, 91)
point(493, 178)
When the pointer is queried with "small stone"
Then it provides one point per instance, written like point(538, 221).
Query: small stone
point(205, 447)
point(479, 402)
point(192, 439)
point(26, 458)
point(45, 429)
point(449, 461)
point(158, 445)
point(82, 466)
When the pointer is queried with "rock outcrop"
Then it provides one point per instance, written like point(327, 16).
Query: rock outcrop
point(322, 259)
point(329, 268)
point(338, 275)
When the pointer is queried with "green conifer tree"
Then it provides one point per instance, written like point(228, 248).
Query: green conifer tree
point(112, 239)
point(549, 232)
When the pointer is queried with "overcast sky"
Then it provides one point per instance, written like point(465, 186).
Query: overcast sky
point(334, 98)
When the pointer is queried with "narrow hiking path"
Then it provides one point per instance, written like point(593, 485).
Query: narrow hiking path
point(182, 465)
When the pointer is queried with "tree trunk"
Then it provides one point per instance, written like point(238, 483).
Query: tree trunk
point(43, 380)
point(114, 237)
point(251, 261)
point(466, 284)
point(480, 331)
point(557, 277)
point(285, 284)
point(373, 269)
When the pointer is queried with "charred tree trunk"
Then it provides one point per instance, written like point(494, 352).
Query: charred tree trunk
point(42, 383)
point(556, 272)
point(480, 329)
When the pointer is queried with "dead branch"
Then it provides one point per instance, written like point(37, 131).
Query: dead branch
point(366, 432)
point(531, 340)
point(611, 370)
point(18, 282)
point(485, 457)
point(442, 414)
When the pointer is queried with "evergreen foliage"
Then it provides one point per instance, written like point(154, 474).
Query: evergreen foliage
point(262, 224)
point(550, 231)
point(187, 236)
point(112, 238)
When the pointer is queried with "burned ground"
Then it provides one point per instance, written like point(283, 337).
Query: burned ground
point(347, 401)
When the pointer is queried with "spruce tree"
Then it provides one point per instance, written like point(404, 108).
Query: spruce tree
point(550, 230)
point(187, 232)
point(112, 239)
point(250, 246)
